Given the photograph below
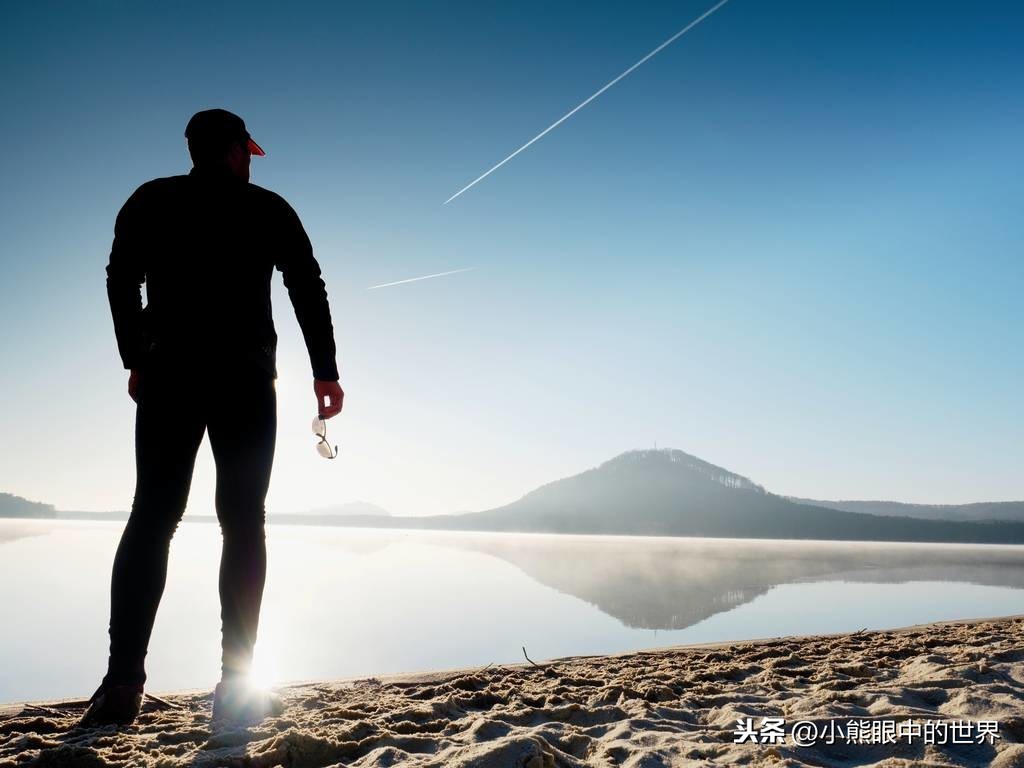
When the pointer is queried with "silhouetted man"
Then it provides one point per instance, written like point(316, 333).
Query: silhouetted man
point(202, 356)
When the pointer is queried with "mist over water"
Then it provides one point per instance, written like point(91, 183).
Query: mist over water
point(360, 602)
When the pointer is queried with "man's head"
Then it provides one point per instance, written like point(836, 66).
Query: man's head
point(217, 137)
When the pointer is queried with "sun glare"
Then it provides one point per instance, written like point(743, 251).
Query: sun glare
point(264, 672)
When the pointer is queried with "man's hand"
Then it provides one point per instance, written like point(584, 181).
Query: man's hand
point(329, 397)
point(133, 385)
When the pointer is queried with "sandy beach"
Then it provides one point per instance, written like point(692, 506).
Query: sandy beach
point(669, 707)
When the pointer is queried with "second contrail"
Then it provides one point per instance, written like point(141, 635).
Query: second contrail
point(593, 96)
point(422, 277)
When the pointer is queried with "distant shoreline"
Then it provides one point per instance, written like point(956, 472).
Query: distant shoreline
point(663, 492)
point(284, 519)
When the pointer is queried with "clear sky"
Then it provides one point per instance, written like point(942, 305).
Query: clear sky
point(790, 244)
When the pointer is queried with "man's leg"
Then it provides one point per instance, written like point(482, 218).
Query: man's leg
point(243, 430)
point(169, 427)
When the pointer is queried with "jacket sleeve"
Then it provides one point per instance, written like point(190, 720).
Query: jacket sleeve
point(126, 272)
point(308, 295)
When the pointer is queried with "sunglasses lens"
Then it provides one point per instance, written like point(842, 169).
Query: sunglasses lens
point(325, 450)
point(319, 427)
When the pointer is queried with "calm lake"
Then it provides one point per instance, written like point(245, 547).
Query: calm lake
point(345, 602)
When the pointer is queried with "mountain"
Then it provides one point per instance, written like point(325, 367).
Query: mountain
point(353, 513)
point(985, 510)
point(671, 493)
point(359, 508)
point(668, 493)
point(15, 506)
point(360, 513)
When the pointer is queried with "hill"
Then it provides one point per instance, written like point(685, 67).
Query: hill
point(16, 506)
point(667, 493)
point(671, 493)
point(349, 509)
point(985, 510)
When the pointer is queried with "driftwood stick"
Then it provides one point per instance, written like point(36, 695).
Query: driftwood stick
point(47, 710)
point(164, 703)
point(529, 659)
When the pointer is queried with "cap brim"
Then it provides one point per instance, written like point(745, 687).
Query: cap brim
point(255, 149)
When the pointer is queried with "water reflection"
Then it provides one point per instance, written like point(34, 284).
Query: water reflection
point(675, 583)
point(343, 602)
point(12, 530)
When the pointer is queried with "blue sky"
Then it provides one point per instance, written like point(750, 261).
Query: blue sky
point(789, 244)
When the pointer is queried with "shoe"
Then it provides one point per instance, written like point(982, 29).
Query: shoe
point(239, 701)
point(113, 705)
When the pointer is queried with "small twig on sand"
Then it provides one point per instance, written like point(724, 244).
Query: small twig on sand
point(538, 666)
point(548, 670)
point(484, 669)
point(47, 710)
point(164, 703)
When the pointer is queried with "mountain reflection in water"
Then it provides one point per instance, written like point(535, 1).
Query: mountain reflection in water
point(665, 583)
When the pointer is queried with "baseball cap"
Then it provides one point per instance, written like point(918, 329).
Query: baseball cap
point(218, 126)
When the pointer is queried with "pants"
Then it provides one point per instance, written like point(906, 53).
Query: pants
point(239, 411)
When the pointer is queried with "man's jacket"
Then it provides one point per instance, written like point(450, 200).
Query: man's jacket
point(206, 246)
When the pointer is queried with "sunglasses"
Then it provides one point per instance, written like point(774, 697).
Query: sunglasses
point(323, 447)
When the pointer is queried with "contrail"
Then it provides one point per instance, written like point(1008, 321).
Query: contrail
point(582, 104)
point(424, 277)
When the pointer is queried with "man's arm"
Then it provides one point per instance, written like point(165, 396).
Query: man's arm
point(126, 272)
point(308, 294)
